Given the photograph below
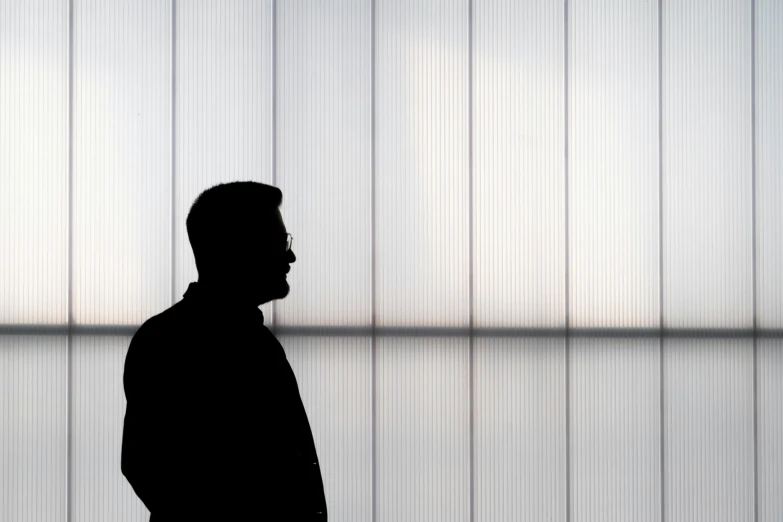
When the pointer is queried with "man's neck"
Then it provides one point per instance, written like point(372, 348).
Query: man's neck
point(229, 294)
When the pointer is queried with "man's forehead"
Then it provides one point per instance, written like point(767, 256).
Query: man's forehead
point(270, 216)
point(265, 224)
point(272, 222)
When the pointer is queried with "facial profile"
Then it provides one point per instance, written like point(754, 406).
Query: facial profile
point(239, 241)
point(257, 264)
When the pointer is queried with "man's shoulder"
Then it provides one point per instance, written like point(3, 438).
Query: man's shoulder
point(171, 317)
point(150, 340)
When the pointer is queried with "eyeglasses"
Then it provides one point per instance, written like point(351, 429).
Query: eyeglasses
point(289, 241)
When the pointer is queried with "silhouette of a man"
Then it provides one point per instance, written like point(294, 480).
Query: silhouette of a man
point(214, 427)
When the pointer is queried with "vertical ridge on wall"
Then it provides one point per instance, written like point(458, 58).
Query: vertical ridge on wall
point(471, 340)
point(423, 446)
point(518, 183)
point(567, 304)
point(520, 428)
point(121, 160)
point(33, 428)
point(769, 162)
point(615, 417)
point(34, 90)
point(612, 252)
point(70, 321)
point(334, 376)
point(422, 163)
point(709, 429)
point(173, 149)
point(768, 133)
point(661, 380)
point(374, 275)
point(707, 200)
point(323, 166)
point(222, 113)
point(273, 134)
point(422, 258)
point(770, 426)
point(100, 490)
point(121, 66)
point(753, 257)
point(513, 143)
point(323, 159)
point(613, 171)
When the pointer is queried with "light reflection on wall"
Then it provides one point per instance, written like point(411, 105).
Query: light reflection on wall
point(121, 162)
point(34, 163)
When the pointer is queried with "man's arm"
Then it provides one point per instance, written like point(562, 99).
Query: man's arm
point(172, 452)
point(142, 436)
point(189, 442)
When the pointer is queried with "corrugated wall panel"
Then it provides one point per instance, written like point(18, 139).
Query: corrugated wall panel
point(707, 146)
point(99, 490)
point(33, 444)
point(423, 439)
point(252, 86)
point(613, 171)
point(324, 162)
point(518, 163)
point(520, 429)
point(335, 383)
point(708, 429)
point(223, 109)
point(769, 162)
point(122, 160)
point(770, 429)
point(615, 429)
point(34, 162)
point(422, 231)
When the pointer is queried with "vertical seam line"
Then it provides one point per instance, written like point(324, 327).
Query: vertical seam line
point(173, 139)
point(274, 122)
point(567, 281)
point(471, 340)
point(753, 255)
point(69, 342)
point(373, 269)
point(662, 395)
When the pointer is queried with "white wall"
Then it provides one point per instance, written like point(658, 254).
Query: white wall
point(496, 205)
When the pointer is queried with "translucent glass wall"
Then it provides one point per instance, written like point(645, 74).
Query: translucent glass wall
point(121, 195)
point(538, 257)
point(518, 164)
point(34, 110)
point(323, 144)
point(707, 151)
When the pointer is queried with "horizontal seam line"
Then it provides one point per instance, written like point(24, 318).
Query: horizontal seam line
point(415, 331)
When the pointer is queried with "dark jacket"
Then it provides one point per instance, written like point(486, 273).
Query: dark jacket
point(214, 427)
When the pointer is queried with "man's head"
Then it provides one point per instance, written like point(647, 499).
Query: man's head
point(239, 240)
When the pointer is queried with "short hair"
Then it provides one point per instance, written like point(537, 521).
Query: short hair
point(222, 216)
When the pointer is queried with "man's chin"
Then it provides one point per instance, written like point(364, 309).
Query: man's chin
point(278, 292)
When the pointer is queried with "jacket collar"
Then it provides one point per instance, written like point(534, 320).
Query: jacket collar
point(220, 302)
